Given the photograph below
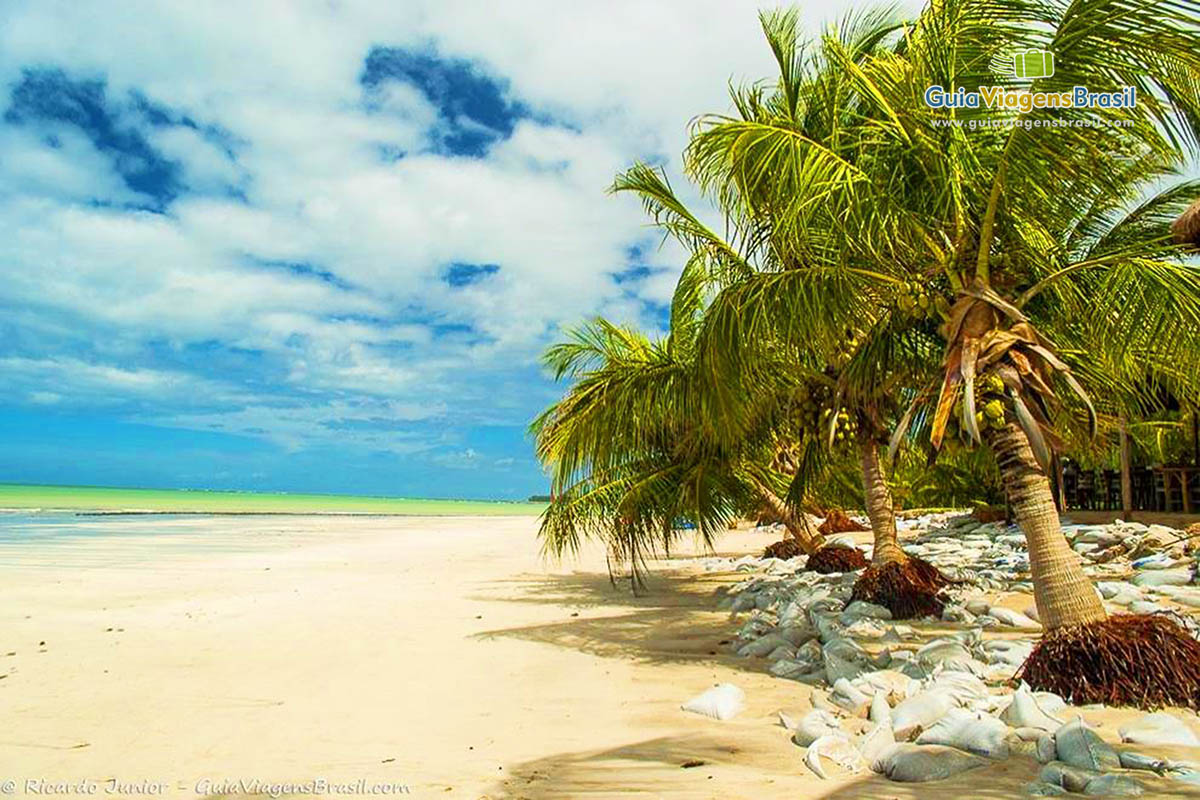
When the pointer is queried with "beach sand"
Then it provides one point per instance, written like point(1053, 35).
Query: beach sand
point(443, 655)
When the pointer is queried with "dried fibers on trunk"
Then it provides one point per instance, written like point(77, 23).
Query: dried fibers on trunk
point(1148, 661)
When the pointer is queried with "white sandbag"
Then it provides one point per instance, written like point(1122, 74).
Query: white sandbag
point(876, 741)
point(1079, 746)
point(1046, 750)
point(880, 711)
point(919, 712)
point(1113, 785)
point(860, 609)
point(894, 685)
point(846, 697)
point(723, 701)
point(1013, 619)
point(762, 646)
point(838, 749)
point(1163, 577)
point(1025, 712)
point(975, 733)
point(943, 652)
point(913, 763)
point(785, 668)
point(964, 687)
point(1158, 728)
point(813, 726)
point(782, 652)
point(1071, 778)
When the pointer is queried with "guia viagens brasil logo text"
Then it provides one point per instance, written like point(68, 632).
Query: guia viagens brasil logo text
point(1028, 65)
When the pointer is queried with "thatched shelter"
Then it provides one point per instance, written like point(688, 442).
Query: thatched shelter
point(1186, 229)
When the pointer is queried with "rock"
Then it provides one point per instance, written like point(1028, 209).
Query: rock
point(723, 701)
point(1158, 729)
point(916, 763)
point(813, 726)
point(975, 733)
point(1078, 745)
point(1025, 712)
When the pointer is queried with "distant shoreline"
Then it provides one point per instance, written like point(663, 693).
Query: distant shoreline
point(100, 501)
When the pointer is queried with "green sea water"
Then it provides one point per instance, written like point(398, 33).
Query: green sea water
point(178, 501)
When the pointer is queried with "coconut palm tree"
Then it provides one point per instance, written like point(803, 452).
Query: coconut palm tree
point(1032, 232)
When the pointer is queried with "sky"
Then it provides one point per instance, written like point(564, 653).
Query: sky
point(320, 246)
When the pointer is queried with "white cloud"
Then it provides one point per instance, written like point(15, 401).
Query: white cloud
point(102, 286)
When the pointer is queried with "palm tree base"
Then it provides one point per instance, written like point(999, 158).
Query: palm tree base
point(909, 588)
point(1145, 660)
point(783, 549)
point(836, 558)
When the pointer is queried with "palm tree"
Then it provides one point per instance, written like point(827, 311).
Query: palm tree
point(860, 367)
point(1031, 234)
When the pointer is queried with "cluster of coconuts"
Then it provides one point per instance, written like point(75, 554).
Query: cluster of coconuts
point(845, 426)
point(845, 348)
point(989, 403)
point(916, 300)
point(812, 397)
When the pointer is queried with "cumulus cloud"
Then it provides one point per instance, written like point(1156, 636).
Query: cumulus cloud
point(353, 223)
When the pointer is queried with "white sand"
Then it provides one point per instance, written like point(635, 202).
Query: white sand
point(439, 654)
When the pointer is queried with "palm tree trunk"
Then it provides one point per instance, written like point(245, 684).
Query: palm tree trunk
point(880, 507)
point(797, 525)
point(1063, 593)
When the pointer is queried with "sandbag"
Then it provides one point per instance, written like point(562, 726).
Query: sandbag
point(1073, 779)
point(975, 733)
point(1025, 712)
point(880, 711)
point(876, 741)
point(845, 696)
point(1158, 728)
point(838, 749)
point(813, 726)
point(723, 701)
point(1013, 619)
point(1113, 785)
point(917, 763)
point(1079, 746)
point(911, 716)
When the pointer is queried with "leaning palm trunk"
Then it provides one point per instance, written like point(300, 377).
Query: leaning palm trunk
point(880, 507)
point(796, 523)
point(1063, 593)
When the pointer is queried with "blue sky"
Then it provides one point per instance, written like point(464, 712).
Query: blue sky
point(320, 246)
